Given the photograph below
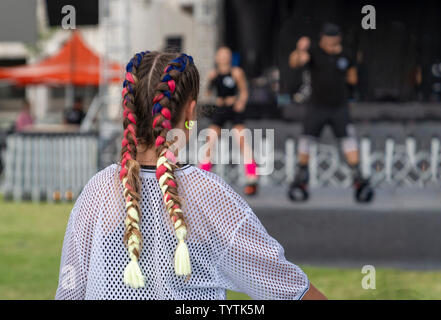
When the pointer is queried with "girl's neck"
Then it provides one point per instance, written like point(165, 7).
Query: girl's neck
point(146, 157)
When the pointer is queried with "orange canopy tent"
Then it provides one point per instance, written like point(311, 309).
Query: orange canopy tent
point(73, 64)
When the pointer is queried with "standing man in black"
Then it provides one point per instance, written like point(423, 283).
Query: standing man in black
point(331, 70)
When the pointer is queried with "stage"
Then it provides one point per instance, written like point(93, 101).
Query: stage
point(401, 228)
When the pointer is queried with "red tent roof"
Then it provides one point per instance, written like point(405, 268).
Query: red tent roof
point(73, 64)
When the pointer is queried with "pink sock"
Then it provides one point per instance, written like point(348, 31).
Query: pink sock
point(205, 166)
point(250, 169)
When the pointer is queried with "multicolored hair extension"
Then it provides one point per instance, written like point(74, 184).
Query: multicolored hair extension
point(130, 171)
point(148, 116)
point(166, 159)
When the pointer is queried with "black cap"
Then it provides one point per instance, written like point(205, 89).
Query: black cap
point(330, 29)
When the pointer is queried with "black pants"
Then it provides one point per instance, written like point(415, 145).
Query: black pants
point(316, 117)
point(221, 115)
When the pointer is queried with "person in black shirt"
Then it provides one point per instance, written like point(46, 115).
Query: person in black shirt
point(76, 114)
point(331, 70)
point(231, 93)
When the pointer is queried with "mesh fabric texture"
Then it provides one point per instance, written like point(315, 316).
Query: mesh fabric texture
point(229, 247)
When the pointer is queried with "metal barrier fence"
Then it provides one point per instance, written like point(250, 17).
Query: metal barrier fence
point(57, 166)
point(396, 164)
point(48, 166)
point(391, 154)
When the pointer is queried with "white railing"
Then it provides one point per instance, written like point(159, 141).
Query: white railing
point(396, 164)
point(48, 166)
point(38, 166)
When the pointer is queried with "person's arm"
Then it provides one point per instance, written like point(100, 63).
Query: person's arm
point(300, 56)
point(239, 76)
point(314, 294)
point(418, 75)
point(254, 263)
point(351, 76)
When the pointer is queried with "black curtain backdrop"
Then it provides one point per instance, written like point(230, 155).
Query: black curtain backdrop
point(407, 36)
point(86, 11)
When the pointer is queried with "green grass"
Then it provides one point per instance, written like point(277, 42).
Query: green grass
point(31, 237)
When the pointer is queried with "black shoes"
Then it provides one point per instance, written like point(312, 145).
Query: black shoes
point(298, 191)
point(363, 191)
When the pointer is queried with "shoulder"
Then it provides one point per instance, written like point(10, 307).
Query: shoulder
point(237, 73)
point(217, 193)
point(100, 187)
point(212, 74)
point(101, 191)
point(347, 54)
point(217, 211)
point(345, 60)
point(103, 178)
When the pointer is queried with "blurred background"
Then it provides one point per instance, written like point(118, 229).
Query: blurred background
point(60, 123)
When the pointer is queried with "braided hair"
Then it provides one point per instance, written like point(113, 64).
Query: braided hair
point(150, 111)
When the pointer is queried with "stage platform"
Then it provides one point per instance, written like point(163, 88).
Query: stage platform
point(401, 228)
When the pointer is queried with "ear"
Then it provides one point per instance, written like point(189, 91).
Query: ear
point(190, 111)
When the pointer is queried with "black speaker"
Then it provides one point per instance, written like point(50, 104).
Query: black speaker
point(86, 11)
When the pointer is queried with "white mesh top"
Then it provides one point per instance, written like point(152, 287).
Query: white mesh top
point(229, 247)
